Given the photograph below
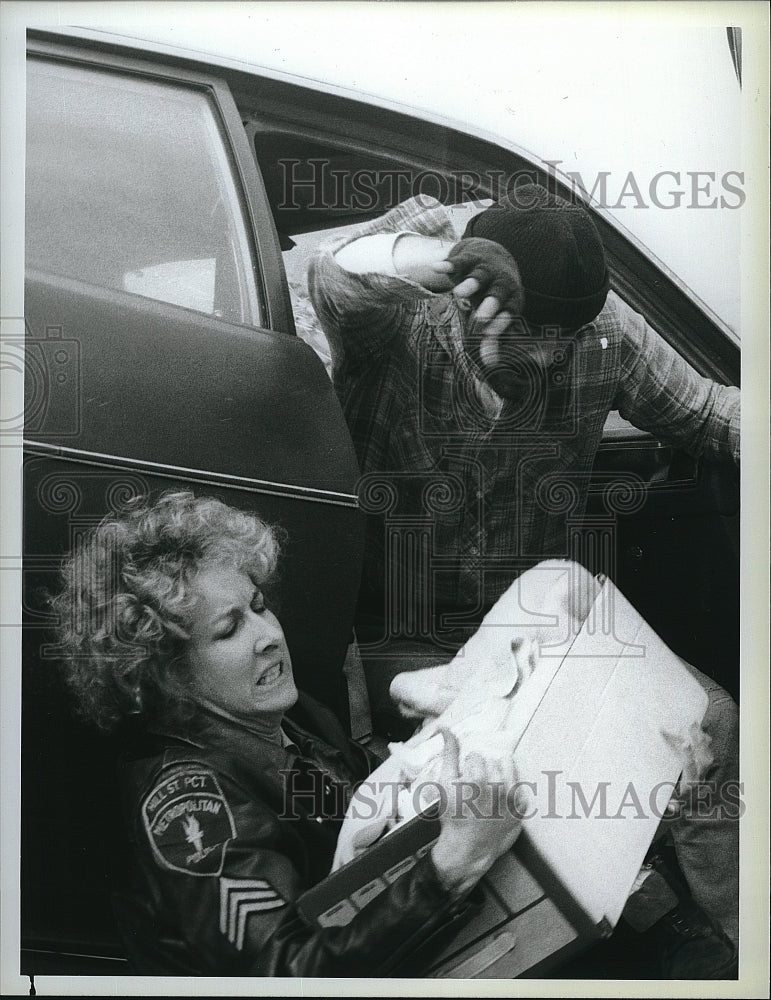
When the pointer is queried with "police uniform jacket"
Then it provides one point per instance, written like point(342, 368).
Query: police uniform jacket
point(224, 843)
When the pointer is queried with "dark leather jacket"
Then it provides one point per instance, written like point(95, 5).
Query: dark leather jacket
point(222, 856)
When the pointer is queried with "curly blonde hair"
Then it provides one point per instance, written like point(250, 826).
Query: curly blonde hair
point(125, 605)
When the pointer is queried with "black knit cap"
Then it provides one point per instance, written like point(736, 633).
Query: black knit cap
point(558, 250)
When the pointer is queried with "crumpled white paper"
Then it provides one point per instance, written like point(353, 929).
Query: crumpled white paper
point(406, 782)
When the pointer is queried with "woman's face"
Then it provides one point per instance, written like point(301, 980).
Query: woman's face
point(237, 653)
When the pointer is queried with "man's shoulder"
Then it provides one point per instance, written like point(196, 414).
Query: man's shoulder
point(616, 321)
point(615, 310)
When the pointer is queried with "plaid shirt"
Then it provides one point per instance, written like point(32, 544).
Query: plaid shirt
point(464, 490)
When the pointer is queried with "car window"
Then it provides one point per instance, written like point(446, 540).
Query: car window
point(129, 187)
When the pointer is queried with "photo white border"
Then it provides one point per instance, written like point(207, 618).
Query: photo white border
point(753, 17)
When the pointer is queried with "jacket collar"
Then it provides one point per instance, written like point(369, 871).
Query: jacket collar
point(325, 741)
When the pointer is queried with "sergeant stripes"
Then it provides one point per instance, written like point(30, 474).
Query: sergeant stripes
point(238, 899)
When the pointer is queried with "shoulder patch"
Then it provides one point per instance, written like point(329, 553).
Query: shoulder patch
point(188, 821)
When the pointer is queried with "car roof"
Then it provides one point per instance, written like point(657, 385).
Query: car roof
point(633, 104)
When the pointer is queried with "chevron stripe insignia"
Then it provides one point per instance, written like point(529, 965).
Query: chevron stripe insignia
point(240, 897)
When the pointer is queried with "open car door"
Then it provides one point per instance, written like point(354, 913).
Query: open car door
point(161, 356)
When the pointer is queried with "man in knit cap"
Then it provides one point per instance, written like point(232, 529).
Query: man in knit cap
point(479, 413)
point(476, 375)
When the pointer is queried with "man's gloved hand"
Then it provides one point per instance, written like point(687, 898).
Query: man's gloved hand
point(498, 340)
point(487, 275)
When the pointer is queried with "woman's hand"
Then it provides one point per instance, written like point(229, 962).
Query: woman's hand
point(480, 816)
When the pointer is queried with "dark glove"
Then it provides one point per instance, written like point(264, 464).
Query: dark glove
point(495, 270)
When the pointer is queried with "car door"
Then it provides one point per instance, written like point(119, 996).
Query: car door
point(160, 354)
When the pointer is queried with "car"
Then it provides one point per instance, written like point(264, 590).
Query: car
point(173, 200)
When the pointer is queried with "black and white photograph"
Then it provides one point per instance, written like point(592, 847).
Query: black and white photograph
point(384, 556)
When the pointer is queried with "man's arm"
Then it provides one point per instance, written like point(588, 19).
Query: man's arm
point(661, 393)
point(366, 287)
point(470, 268)
point(360, 300)
point(400, 255)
